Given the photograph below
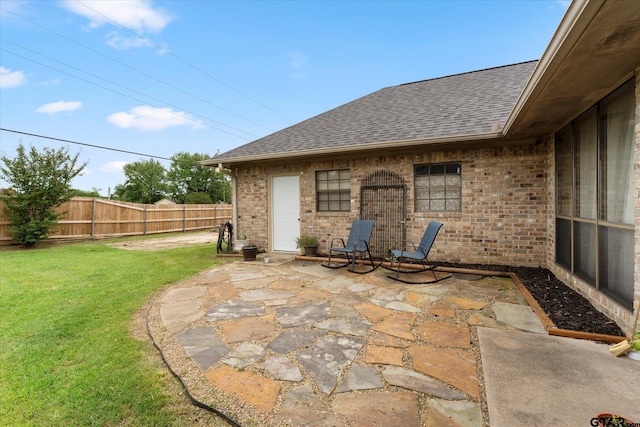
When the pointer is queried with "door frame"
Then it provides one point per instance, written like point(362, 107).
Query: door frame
point(272, 212)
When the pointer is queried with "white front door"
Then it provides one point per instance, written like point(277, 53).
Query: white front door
point(285, 211)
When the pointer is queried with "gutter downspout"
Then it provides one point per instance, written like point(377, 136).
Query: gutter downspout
point(234, 198)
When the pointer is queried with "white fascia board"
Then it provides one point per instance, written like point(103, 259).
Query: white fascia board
point(351, 148)
point(575, 21)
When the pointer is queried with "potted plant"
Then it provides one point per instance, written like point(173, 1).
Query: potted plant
point(249, 251)
point(309, 244)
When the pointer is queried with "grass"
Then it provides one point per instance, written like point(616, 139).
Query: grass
point(67, 356)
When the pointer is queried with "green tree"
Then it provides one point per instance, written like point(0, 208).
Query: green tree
point(198, 199)
point(39, 182)
point(187, 176)
point(145, 182)
point(95, 192)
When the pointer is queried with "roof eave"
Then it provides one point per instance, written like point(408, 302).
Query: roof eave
point(386, 145)
point(575, 20)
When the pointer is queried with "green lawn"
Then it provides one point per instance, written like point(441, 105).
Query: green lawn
point(67, 357)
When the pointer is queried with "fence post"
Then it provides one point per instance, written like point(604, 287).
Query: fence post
point(184, 218)
point(93, 218)
point(144, 221)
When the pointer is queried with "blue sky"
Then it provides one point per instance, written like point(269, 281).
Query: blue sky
point(160, 77)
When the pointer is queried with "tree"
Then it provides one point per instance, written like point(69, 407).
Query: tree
point(95, 192)
point(39, 182)
point(187, 176)
point(198, 199)
point(145, 182)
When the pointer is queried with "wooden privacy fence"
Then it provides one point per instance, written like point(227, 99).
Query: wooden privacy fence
point(88, 218)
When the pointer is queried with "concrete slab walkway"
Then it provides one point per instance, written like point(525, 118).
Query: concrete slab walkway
point(293, 343)
point(545, 380)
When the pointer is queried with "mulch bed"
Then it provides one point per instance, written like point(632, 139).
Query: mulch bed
point(564, 306)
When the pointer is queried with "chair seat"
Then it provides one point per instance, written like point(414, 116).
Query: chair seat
point(419, 255)
point(413, 255)
point(345, 250)
point(357, 243)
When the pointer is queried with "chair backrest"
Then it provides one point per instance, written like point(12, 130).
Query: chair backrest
point(429, 237)
point(361, 230)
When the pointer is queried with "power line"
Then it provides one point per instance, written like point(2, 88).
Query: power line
point(117, 92)
point(137, 70)
point(122, 86)
point(83, 143)
point(185, 62)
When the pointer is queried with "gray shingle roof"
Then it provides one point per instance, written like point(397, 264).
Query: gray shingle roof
point(458, 105)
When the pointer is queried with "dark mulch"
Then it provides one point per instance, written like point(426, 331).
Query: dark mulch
point(564, 306)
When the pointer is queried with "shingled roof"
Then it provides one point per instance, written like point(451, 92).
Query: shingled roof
point(463, 105)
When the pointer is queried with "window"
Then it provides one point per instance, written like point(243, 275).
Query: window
point(333, 189)
point(585, 130)
point(617, 156)
point(438, 187)
point(594, 195)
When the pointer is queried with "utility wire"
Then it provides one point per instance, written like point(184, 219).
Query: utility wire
point(122, 86)
point(83, 143)
point(120, 93)
point(185, 62)
point(135, 69)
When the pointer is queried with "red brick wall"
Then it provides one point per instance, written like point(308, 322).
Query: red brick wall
point(504, 217)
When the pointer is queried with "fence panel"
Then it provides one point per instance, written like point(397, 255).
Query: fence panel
point(88, 217)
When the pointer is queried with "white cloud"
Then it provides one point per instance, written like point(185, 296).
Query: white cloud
point(10, 78)
point(113, 167)
point(150, 118)
point(119, 42)
point(54, 82)
point(59, 107)
point(137, 15)
point(11, 8)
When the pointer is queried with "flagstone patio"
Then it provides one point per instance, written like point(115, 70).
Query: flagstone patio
point(293, 343)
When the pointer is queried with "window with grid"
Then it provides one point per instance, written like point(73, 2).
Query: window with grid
point(595, 196)
point(333, 189)
point(438, 187)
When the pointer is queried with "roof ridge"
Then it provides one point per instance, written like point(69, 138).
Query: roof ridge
point(469, 72)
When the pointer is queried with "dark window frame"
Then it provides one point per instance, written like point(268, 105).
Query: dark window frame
point(604, 262)
point(333, 190)
point(437, 187)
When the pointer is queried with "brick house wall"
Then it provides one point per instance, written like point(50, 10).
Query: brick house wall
point(504, 218)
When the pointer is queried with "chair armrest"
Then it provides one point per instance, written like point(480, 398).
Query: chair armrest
point(357, 242)
point(334, 239)
point(409, 247)
point(406, 247)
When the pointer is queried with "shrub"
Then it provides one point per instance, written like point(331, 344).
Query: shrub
point(39, 183)
point(306, 241)
point(198, 199)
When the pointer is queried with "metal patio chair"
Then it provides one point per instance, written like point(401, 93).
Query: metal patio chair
point(417, 256)
point(357, 244)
